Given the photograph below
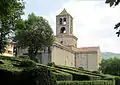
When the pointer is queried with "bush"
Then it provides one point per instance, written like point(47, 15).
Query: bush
point(85, 83)
point(51, 64)
point(78, 75)
point(34, 76)
point(80, 68)
point(24, 56)
point(61, 76)
point(117, 80)
point(27, 63)
point(1, 62)
point(96, 72)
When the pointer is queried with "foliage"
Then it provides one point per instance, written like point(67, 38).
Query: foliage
point(24, 57)
point(111, 66)
point(100, 82)
point(35, 35)
point(62, 76)
point(24, 73)
point(114, 3)
point(34, 76)
point(77, 74)
point(1, 62)
point(78, 70)
point(15, 64)
point(10, 13)
point(27, 63)
point(117, 80)
point(51, 64)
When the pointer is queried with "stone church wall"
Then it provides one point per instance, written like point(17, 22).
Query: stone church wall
point(62, 57)
point(88, 61)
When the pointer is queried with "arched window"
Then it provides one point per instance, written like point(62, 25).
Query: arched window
point(60, 20)
point(64, 21)
point(61, 42)
point(63, 30)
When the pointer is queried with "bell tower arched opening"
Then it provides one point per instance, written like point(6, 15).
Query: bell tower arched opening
point(60, 20)
point(63, 30)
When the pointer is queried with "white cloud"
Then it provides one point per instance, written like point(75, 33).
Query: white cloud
point(93, 23)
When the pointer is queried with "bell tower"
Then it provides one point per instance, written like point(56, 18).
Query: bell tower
point(64, 23)
point(64, 29)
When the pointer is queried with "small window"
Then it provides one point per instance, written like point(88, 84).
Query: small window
point(64, 19)
point(61, 42)
point(60, 20)
point(10, 52)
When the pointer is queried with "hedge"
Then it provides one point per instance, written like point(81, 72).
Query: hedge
point(31, 76)
point(80, 76)
point(27, 63)
point(117, 80)
point(78, 70)
point(62, 76)
point(59, 75)
point(100, 82)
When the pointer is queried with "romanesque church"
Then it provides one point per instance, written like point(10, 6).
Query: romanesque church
point(64, 51)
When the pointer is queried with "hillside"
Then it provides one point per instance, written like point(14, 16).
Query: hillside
point(107, 55)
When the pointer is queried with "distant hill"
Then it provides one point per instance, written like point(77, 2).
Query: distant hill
point(107, 55)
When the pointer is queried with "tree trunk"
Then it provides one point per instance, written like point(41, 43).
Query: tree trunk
point(32, 53)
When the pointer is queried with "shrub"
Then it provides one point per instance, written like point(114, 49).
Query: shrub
point(24, 56)
point(34, 76)
point(62, 76)
point(117, 80)
point(1, 62)
point(27, 63)
point(85, 83)
point(78, 75)
point(51, 64)
point(96, 72)
point(80, 68)
point(38, 76)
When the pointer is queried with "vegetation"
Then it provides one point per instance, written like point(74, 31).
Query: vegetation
point(103, 82)
point(25, 71)
point(18, 71)
point(10, 14)
point(35, 35)
point(114, 3)
point(111, 66)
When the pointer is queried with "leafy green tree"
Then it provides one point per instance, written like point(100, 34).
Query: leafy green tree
point(10, 13)
point(35, 35)
point(115, 3)
point(111, 66)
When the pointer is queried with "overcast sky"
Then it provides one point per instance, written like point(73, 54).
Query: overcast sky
point(93, 20)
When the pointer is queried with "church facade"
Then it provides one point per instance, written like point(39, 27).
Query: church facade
point(64, 50)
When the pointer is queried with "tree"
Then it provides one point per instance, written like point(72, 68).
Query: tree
point(115, 3)
point(35, 35)
point(10, 12)
point(111, 66)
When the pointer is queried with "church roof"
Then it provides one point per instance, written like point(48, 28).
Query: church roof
point(64, 12)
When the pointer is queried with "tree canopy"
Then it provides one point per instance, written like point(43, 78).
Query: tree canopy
point(115, 3)
point(111, 66)
point(35, 34)
point(10, 13)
